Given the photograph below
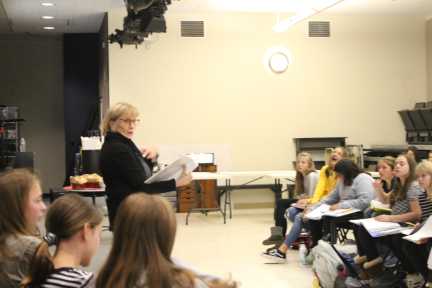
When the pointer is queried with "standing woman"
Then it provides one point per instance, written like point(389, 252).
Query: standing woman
point(124, 166)
point(21, 208)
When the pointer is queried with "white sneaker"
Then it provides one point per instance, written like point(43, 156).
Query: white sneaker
point(274, 256)
point(414, 280)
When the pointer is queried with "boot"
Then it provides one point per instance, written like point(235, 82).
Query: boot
point(276, 237)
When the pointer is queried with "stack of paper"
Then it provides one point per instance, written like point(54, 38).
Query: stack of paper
point(317, 213)
point(324, 210)
point(379, 228)
point(174, 170)
point(423, 233)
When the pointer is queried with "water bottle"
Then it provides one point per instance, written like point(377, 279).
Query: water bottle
point(302, 253)
point(22, 145)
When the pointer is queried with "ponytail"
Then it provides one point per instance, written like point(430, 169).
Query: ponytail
point(41, 266)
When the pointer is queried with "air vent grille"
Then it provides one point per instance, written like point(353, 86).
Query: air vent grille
point(319, 29)
point(192, 28)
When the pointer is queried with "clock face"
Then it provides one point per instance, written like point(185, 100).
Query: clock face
point(278, 62)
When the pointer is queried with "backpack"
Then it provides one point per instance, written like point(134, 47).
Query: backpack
point(326, 265)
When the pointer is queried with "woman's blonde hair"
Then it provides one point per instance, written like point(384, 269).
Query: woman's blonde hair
point(65, 217)
point(115, 113)
point(425, 166)
point(388, 160)
point(144, 233)
point(299, 186)
point(15, 187)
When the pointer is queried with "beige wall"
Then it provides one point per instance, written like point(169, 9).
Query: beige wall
point(215, 90)
point(31, 77)
point(429, 57)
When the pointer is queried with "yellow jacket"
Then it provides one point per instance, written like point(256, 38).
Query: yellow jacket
point(325, 185)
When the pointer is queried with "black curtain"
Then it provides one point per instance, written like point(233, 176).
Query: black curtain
point(81, 91)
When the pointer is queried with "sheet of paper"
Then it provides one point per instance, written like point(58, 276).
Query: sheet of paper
point(379, 228)
point(318, 212)
point(424, 232)
point(341, 212)
point(174, 170)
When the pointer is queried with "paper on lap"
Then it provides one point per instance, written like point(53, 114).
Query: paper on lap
point(379, 228)
point(424, 232)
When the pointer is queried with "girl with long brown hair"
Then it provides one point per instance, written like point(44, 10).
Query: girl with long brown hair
point(73, 226)
point(405, 206)
point(140, 256)
point(21, 208)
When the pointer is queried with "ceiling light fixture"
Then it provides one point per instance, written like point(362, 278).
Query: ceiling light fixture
point(305, 13)
point(47, 17)
point(47, 4)
point(49, 28)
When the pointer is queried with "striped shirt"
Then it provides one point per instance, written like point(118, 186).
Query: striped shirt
point(68, 278)
point(426, 206)
point(403, 206)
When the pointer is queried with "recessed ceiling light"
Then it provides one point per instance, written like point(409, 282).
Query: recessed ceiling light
point(49, 27)
point(47, 17)
point(47, 4)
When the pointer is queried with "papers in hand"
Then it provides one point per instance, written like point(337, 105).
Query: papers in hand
point(324, 210)
point(379, 228)
point(174, 170)
point(424, 232)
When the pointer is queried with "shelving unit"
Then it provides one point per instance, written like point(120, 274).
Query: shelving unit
point(9, 135)
point(317, 146)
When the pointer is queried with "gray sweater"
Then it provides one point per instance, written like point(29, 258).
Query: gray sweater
point(357, 196)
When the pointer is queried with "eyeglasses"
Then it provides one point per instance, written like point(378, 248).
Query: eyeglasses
point(130, 121)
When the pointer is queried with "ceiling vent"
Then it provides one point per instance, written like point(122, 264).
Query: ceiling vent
point(319, 29)
point(192, 28)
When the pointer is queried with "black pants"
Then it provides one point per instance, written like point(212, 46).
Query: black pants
point(328, 225)
point(415, 257)
point(367, 246)
point(279, 213)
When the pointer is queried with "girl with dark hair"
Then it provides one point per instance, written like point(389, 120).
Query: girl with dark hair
point(73, 226)
point(353, 190)
point(21, 208)
point(140, 256)
point(404, 202)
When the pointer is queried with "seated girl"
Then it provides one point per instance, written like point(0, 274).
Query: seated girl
point(144, 233)
point(21, 208)
point(305, 184)
point(404, 202)
point(353, 190)
point(73, 226)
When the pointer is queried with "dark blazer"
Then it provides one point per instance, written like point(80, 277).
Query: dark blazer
point(123, 171)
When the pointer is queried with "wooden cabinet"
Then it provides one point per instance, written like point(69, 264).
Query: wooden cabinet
point(199, 194)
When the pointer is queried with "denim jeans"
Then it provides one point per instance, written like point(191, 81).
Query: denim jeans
point(295, 216)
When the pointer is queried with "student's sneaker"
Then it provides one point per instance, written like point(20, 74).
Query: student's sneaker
point(414, 280)
point(274, 256)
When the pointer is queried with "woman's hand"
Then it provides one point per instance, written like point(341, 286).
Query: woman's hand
point(302, 203)
point(377, 184)
point(334, 207)
point(384, 218)
point(149, 152)
point(184, 179)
